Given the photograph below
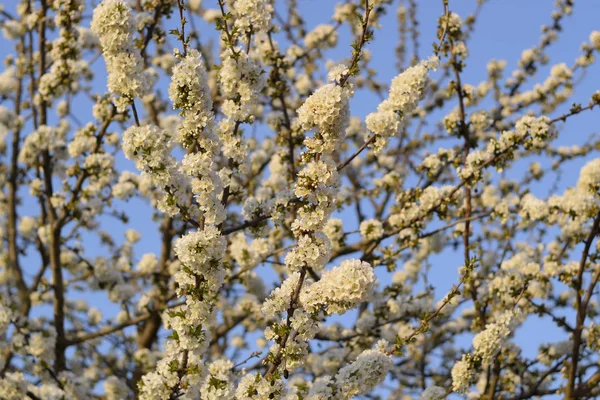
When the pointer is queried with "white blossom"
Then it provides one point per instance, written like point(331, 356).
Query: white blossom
point(341, 288)
point(371, 229)
point(367, 371)
point(327, 111)
point(433, 393)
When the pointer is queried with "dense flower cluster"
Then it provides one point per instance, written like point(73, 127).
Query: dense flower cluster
point(150, 147)
point(487, 345)
point(589, 177)
point(253, 15)
point(327, 110)
point(67, 67)
point(340, 289)
point(433, 393)
point(406, 90)
point(200, 253)
point(241, 80)
point(113, 23)
point(371, 229)
point(489, 342)
point(190, 94)
point(463, 374)
point(367, 371)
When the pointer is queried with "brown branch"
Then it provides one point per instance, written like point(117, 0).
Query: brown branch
point(290, 335)
point(345, 163)
point(358, 50)
point(181, 6)
point(581, 311)
point(576, 111)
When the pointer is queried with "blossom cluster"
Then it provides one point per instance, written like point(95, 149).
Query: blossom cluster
point(406, 90)
point(67, 67)
point(113, 23)
point(340, 289)
point(487, 345)
point(200, 253)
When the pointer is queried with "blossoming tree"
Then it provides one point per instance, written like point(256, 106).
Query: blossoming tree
point(295, 240)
